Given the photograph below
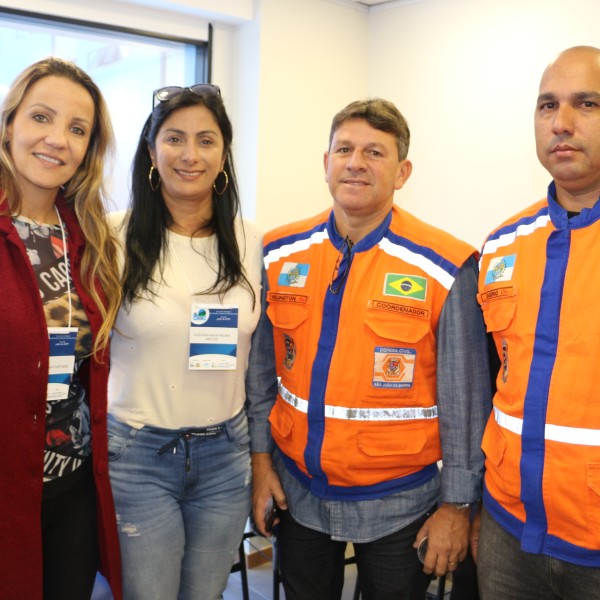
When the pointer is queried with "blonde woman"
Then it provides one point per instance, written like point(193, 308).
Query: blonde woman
point(59, 295)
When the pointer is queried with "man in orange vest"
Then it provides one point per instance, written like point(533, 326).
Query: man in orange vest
point(382, 359)
point(540, 524)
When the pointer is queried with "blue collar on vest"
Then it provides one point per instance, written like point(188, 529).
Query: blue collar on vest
point(560, 217)
point(370, 240)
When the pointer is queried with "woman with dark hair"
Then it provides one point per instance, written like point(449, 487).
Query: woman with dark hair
point(60, 294)
point(182, 368)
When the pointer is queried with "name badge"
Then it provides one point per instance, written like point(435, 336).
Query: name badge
point(62, 361)
point(213, 337)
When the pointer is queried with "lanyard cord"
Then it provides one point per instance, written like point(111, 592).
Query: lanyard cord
point(66, 260)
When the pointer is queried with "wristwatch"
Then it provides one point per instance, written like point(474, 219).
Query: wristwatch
point(460, 505)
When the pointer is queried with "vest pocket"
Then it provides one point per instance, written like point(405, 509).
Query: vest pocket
point(281, 421)
point(499, 308)
point(493, 443)
point(498, 312)
point(501, 464)
point(396, 327)
point(593, 499)
point(385, 445)
point(286, 315)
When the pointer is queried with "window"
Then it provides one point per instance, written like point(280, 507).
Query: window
point(126, 65)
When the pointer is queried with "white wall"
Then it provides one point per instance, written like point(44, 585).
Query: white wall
point(313, 61)
point(284, 66)
point(464, 73)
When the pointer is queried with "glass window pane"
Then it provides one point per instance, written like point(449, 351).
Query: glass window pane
point(127, 67)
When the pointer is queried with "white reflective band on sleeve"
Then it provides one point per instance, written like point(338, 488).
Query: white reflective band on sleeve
point(283, 251)
point(508, 238)
point(554, 433)
point(362, 414)
point(435, 271)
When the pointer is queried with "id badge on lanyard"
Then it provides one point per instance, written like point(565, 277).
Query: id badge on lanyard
point(62, 361)
point(213, 337)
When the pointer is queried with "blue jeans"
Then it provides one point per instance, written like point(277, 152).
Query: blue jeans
point(182, 501)
point(507, 573)
point(312, 564)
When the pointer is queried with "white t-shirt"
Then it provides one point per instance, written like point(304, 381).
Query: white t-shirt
point(150, 383)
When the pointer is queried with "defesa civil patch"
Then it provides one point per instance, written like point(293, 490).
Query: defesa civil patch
point(393, 367)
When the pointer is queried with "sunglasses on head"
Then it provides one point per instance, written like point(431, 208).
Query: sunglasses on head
point(200, 89)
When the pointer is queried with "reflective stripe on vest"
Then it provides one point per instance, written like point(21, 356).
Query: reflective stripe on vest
point(420, 260)
point(555, 433)
point(362, 414)
point(506, 239)
point(298, 246)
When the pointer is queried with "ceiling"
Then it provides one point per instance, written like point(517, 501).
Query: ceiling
point(377, 2)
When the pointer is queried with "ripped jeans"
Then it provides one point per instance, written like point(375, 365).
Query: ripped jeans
point(182, 500)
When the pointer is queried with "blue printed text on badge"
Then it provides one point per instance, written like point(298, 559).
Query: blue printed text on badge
point(62, 361)
point(213, 337)
point(393, 367)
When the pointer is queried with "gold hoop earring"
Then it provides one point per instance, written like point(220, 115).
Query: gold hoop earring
point(153, 186)
point(221, 192)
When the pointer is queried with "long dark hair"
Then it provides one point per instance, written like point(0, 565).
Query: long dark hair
point(149, 218)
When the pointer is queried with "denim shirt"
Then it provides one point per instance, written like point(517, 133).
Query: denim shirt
point(464, 404)
point(261, 379)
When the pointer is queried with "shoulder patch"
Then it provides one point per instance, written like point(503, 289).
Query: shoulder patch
point(293, 274)
point(500, 269)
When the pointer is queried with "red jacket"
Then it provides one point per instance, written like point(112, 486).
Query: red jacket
point(23, 383)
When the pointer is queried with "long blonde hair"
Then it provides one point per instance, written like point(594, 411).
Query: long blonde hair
point(84, 191)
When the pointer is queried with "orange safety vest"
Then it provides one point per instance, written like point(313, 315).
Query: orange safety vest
point(538, 292)
point(355, 341)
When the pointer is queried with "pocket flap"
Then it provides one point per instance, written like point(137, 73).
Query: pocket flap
point(493, 443)
point(281, 421)
point(392, 441)
point(286, 310)
point(593, 477)
point(396, 327)
point(498, 310)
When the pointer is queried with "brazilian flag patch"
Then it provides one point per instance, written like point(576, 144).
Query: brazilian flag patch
point(405, 286)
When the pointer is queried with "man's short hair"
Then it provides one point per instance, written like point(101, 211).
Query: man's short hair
point(380, 114)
